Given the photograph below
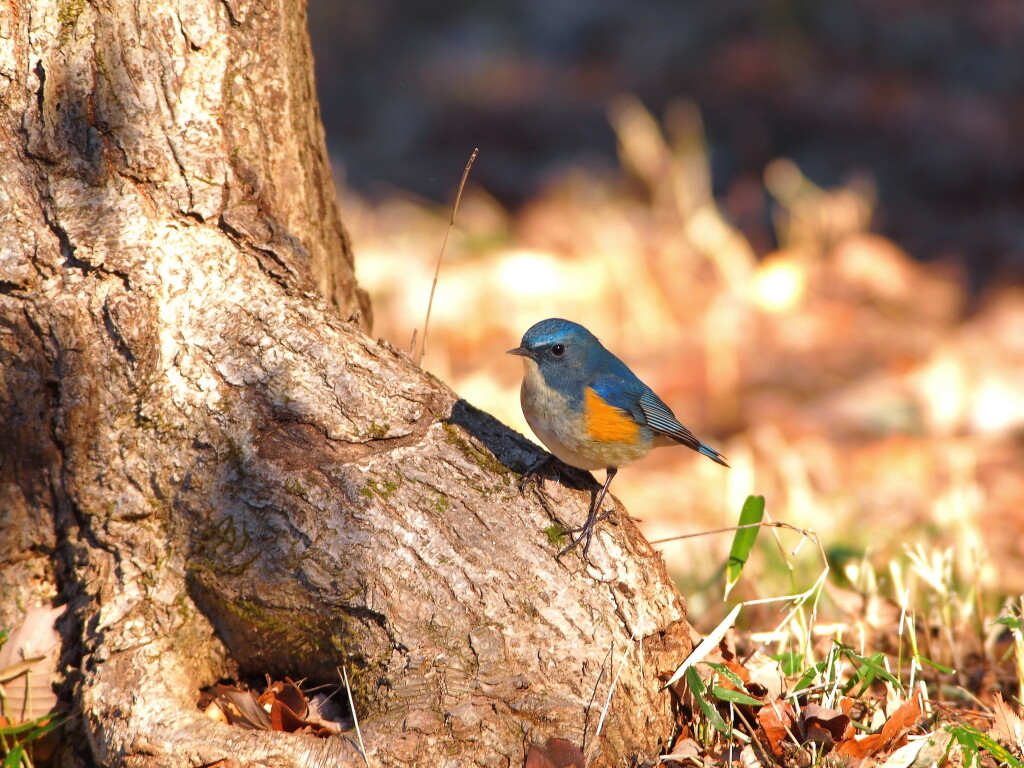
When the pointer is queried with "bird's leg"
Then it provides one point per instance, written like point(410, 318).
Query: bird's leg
point(586, 531)
point(592, 516)
point(537, 472)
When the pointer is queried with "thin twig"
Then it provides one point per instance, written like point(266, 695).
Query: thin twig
point(593, 695)
point(437, 269)
point(763, 523)
point(755, 743)
point(355, 717)
point(611, 687)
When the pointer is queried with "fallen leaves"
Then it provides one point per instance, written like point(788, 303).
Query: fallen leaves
point(283, 706)
point(685, 752)
point(786, 729)
point(892, 735)
point(811, 726)
point(848, 710)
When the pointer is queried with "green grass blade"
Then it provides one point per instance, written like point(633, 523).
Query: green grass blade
point(936, 665)
point(727, 673)
point(873, 666)
point(22, 735)
point(743, 541)
point(972, 741)
point(34, 728)
point(699, 691)
point(18, 730)
point(1010, 622)
point(15, 757)
point(791, 663)
point(736, 697)
point(809, 676)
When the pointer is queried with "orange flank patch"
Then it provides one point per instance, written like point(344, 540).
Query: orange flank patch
point(608, 424)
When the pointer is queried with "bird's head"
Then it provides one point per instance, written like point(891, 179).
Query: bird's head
point(558, 345)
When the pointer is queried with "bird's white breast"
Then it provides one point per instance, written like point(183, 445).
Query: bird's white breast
point(563, 430)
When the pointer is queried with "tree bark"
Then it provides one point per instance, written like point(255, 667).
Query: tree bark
point(219, 474)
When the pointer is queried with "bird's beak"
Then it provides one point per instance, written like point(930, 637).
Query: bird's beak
point(521, 351)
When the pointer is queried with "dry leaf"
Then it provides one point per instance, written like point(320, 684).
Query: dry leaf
point(281, 707)
point(934, 749)
point(282, 718)
point(325, 712)
point(815, 733)
point(215, 713)
point(727, 754)
point(241, 708)
point(905, 756)
point(893, 732)
point(749, 758)
point(777, 720)
point(1007, 727)
point(685, 752)
point(875, 611)
point(823, 725)
point(28, 662)
point(556, 753)
point(288, 693)
point(766, 680)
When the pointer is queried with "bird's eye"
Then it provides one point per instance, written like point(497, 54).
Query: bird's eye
point(558, 350)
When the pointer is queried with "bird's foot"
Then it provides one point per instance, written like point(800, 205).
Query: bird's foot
point(576, 542)
point(586, 533)
point(594, 516)
point(540, 470)
point(589, 525)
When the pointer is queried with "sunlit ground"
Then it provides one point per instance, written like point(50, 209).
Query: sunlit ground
point(850, 385)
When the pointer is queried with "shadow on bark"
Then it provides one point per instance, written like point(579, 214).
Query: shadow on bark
point(280, 604)
point(509, 447)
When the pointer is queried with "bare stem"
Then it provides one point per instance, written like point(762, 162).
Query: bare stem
point(764, 523)
point(355, 717)
point(437, 269)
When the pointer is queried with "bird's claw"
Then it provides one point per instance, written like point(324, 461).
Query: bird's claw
point(537, 472)
point(585, 531)
point(576, 542)
point(585, 527)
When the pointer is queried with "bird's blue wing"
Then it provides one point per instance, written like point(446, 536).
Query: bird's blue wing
point(630, 394)
point(660, 418)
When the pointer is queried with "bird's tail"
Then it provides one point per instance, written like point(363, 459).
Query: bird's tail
point(712, 454)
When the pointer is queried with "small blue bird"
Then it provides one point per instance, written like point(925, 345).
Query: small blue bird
point(590, 410)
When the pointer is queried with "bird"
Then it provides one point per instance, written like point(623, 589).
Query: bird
point(590, 410)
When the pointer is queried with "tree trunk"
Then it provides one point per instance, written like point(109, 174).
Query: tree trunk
point(220, 475)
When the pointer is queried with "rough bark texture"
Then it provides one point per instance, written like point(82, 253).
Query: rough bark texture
point(220, 476)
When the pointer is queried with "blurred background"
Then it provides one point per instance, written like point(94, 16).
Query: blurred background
point(802, 223)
